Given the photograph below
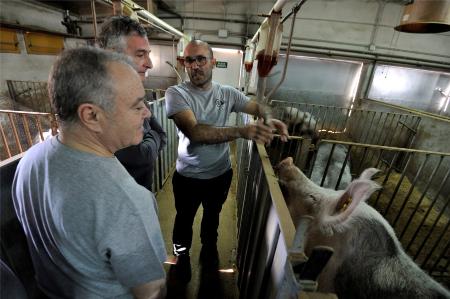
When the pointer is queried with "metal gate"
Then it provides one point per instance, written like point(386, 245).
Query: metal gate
point(22, 129)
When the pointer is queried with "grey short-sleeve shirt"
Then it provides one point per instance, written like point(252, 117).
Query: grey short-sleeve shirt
point(212, 107)
point(93, 232)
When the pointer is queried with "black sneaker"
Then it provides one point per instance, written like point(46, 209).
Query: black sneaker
point(209, 256)
point(183, 268)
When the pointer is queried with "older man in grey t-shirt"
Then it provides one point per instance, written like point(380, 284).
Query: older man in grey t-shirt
point(92, 231)
point(200, 109)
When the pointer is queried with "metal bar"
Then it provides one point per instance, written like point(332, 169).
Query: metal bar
point(25, 112)
point(343, 168)
point(430, 179)
point(328, 165)
point(374, 146)
point(410, 110)
point(279, 5)
point(155, 20)
point(261, 89)
point(399, 183)
point(380, 134)
point(425, 240)
point(374, 132)
point(427, 258)
point(259, 235)
point(248, 218)
point(286, 224)
point(27, 130)
point(430, 208)
point(441, 257)
point(391, 137)
point(390, 126)
point(5, 142)
point(408, 127)
point(16, 135)
point(391, 167)
point(94, 19)
point(262, 291)
point(411, 188)
point(288, 51)
point(294, 10)
point(255, 223)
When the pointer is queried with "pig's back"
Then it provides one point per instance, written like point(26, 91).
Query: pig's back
point(379, 268)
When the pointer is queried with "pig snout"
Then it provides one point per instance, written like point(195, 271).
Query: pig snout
point(286, 170)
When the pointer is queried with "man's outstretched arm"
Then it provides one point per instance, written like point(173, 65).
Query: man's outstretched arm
point(207, 134)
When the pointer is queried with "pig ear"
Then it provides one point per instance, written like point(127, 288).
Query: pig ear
point(362, 189)
point(368, 173)
point(356, 192)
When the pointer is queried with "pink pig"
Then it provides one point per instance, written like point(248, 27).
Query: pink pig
point(368, 259)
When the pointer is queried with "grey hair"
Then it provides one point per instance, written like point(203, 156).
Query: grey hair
point(81, 76)
point(200, 43)
point(116, 29)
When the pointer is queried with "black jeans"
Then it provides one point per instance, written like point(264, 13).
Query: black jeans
point(189, 193)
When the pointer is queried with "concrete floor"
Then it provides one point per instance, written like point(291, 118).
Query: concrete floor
point(204, 283)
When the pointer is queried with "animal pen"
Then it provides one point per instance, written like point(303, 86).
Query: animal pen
point(414, 197)
point(22, 129)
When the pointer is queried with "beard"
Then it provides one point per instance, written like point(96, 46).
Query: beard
point(200, 78)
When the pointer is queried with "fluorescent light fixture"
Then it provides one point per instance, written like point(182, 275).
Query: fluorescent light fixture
point(225, 50)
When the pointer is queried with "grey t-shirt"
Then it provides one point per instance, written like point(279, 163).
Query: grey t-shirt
point(93, 232)
point(211, 107)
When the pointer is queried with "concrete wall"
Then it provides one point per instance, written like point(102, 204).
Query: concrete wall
point(26, 67)
point(23, 67)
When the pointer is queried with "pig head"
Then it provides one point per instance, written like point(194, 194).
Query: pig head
point(368, 259)
point(331, 209)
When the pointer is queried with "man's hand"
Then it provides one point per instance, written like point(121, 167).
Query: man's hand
point(262, 133)
point(257, 131)
point(279, 127)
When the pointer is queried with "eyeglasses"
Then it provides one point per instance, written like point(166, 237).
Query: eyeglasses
point(199, 59)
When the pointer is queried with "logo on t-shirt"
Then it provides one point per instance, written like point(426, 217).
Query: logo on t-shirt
point(220, 103)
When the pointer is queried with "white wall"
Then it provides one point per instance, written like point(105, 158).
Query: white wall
point(230, 75)
point(23, 67)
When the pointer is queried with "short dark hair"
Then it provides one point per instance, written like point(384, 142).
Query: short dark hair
point(115, 29)
point(80, 76)
point(198, 42)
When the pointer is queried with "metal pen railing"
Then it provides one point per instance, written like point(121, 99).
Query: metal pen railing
point(166, 160)
point(33, 95)
point(265, 229)
point(22, 129)
point(351, 124)
point(414, 199)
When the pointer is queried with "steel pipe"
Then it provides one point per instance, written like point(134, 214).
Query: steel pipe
point(276, 8)
point(288, 50)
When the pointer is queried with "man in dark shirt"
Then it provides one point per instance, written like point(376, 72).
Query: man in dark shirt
point(124, 35)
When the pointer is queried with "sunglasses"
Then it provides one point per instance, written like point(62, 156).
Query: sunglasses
point(199, 59)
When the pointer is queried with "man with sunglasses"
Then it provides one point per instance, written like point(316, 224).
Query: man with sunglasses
point(200, 109)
